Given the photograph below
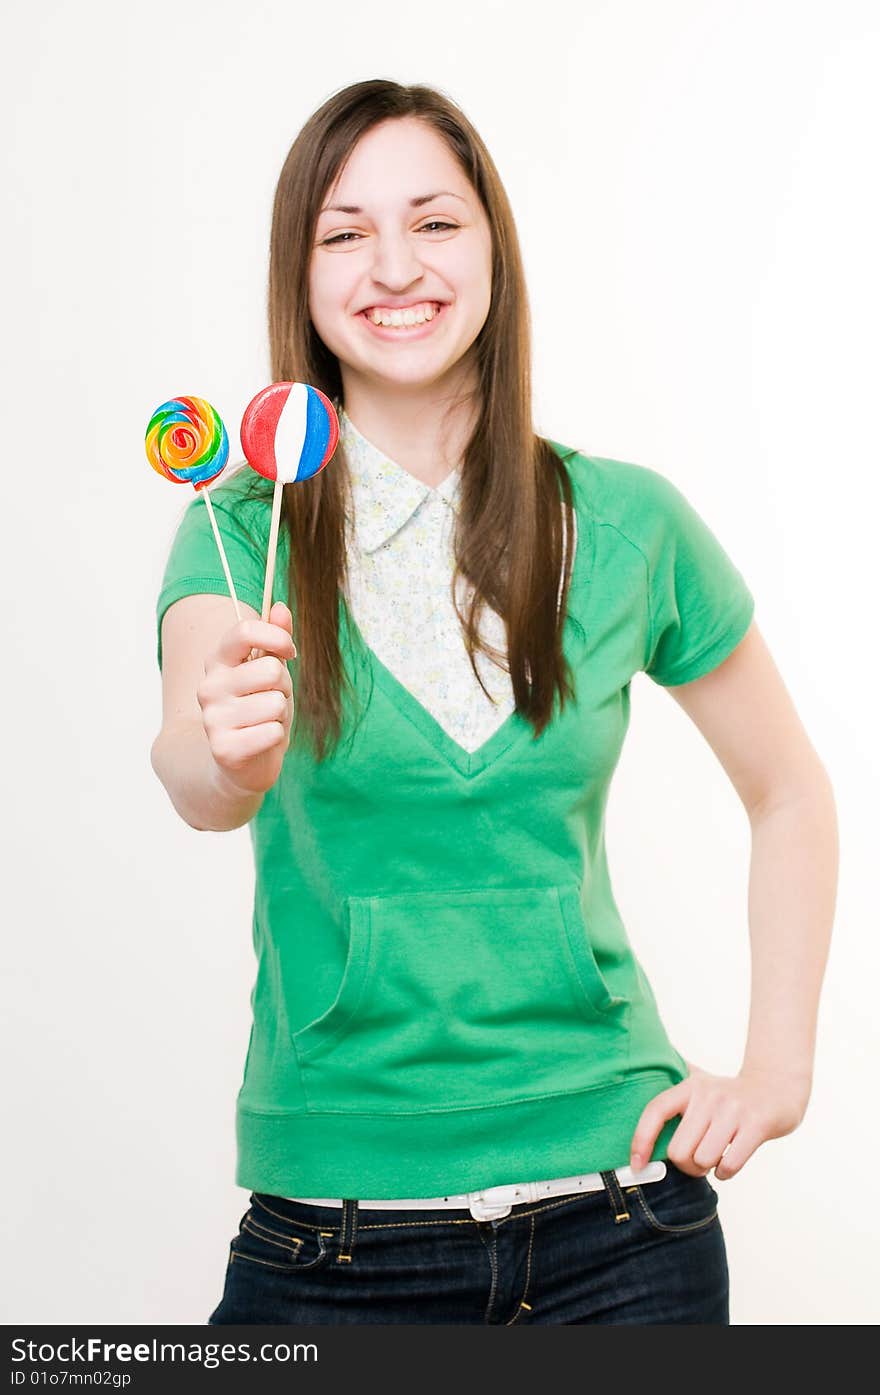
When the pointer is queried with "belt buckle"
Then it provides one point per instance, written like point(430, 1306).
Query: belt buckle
point(491, 1203)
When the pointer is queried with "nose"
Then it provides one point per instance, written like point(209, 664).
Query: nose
point(396, 264)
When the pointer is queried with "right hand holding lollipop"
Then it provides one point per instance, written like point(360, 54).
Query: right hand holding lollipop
point(289, 433)
point(247, 707)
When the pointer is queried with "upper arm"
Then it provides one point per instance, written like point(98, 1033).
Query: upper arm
point(746, 714)
point(191, 630)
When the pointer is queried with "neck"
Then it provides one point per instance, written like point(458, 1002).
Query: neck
point(422, 429)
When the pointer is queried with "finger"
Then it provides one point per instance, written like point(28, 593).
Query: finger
point(722, 1127)
point(743, 1144)
point(256, 708)
point(222, 685)
point(688, 1136)
point(654, 1115)
point(257, 676)
point(234, 749)
point(236, 644)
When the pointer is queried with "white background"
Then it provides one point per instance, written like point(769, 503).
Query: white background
point(695, 189)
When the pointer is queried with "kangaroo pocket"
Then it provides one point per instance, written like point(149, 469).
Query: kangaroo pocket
point(473, 997)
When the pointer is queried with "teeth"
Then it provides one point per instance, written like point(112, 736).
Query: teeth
point(412, 315)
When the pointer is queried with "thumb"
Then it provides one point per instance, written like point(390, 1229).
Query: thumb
point(280, 615)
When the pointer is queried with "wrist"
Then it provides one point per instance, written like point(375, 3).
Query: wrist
point(224, 785)
point(798, 1074)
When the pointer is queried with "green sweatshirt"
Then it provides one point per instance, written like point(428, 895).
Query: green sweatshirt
point(445, 995)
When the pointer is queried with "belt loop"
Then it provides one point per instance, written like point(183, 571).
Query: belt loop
point(615, 1197)
point(348, 1230)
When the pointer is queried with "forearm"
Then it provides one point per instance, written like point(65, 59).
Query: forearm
point(199, 790)
point(792, 896)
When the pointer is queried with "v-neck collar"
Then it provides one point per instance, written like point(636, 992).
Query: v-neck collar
point(468, 763)
point(514, 729)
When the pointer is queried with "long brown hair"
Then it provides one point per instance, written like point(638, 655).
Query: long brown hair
point(509, 541)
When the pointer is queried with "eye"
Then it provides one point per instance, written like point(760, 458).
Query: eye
point(343, 237)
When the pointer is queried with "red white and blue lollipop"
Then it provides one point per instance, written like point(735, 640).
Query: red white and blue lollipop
point(288, 434)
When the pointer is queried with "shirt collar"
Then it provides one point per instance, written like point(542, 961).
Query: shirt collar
point(385, 495)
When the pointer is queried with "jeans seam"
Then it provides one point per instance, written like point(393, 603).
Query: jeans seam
point(523, 1305)
point(493, 1262)
point(285, 1268)
point(307, 1225)
point(292, 1241)
point(652, 1220)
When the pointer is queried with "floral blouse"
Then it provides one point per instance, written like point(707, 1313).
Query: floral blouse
point(401, 564)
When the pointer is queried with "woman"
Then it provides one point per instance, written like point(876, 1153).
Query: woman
point(458, 1084)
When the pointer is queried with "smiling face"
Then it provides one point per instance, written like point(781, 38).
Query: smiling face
point(401, 268)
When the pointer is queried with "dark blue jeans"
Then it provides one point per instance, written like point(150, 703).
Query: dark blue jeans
point(653, 1253)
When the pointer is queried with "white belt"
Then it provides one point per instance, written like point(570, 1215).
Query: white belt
point(490, 1203)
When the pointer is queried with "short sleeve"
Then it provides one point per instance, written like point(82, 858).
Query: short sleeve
point(194, 566)
point(700, 606)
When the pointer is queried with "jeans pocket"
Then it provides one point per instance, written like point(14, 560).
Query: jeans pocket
point(678, 1204)
point(275, 1240)
point(452, 998)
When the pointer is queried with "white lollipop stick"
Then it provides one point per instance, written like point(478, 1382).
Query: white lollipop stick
point(273, 548)
point(223, 558)
point(270, 559)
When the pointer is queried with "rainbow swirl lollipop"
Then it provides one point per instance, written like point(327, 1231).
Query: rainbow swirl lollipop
point(187, 443)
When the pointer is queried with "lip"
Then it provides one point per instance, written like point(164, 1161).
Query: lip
point(408, 332)
point(393, 304)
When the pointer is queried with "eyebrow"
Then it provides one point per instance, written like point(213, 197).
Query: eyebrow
point(413, 203)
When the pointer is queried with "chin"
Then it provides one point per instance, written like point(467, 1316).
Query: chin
point(422, 379)
point(390, 367)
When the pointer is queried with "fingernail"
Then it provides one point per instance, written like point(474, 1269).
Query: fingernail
point(635, 1161)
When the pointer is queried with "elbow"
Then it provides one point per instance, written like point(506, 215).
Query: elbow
point(162, 767)
point(157, 761)
point(162, 771)
point(154, 756)
point(813, 787)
